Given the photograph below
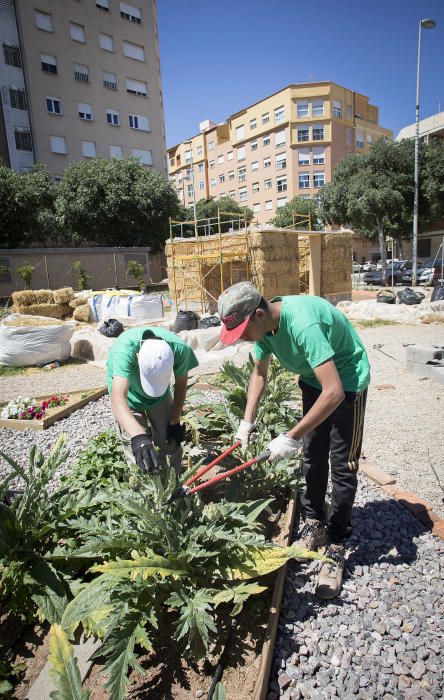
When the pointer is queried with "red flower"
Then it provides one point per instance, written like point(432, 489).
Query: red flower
point(44, 405)
point(38, 415)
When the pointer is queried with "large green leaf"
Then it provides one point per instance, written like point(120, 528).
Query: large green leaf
point(195, 621)
point(9, 530)
point(64, 670)
point(238, 594)
point(47, 590)
point(261, 561)
point(119, 649)
point(144, 566)
point(92, 604)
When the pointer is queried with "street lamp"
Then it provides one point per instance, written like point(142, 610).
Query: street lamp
point(189, 143)
point(423, 24)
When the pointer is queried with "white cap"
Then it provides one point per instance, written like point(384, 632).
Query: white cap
point(156, 362)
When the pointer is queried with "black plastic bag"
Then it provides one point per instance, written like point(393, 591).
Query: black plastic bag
point(185, 321)
point(438, 294)
point(410, 297)
point(386, 297)
point(209, 322)
point(111, 328)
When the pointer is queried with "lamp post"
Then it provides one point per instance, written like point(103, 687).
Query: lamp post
point(423, 24)
point(189, 143)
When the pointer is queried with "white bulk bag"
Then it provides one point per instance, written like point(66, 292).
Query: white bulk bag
point(140, 307)
point(21, 346)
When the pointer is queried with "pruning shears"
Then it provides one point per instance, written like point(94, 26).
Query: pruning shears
point(185, 490)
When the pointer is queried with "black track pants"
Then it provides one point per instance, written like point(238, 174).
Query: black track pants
point(338, 439)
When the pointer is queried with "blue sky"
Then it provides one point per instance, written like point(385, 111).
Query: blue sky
point(218, 57)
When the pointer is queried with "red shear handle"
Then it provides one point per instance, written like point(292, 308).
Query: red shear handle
point(220, 477)
point(204, 469)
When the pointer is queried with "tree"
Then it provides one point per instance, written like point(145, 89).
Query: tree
point(26, 207)
point(301, 208)
point(115, 202)
point(207, 209)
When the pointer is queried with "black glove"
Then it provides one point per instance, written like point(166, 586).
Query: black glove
point(175, 432)
point(144, 453)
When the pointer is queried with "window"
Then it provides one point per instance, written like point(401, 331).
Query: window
point(23, 141)
point(269, 204)
point(212, 164)
point(106, 42)
point(318, 179)
point(201, 184)
point(17, 98)
point(58, 144)
point(230, 155)
point(337, 109)
point(241, 153)
point(243, 194)
point(12, 55)
point(317, 108)
point(359, 139)
point(133, 51)
point(304, 156)
point(256, 208)
point(301, 109)
point(318, 133)
point(253, 123)
point(281, 161)
point(424, 247)
point(281, 184)
point(303, 134)
point(136, 121)
point(190, 190)
point(267, 162)
point(136, 87)
point(89, 149)
point(318, 155)
point(231, 174)
point(253, 145)
point(279, 138)
point(279, 115)
point(5, 270)
point(77, 32)
point(199, 150)
point(304, 181)
point(53, 105)
point(213, 182)
point(221, 159)
point(222, 178)
point(242, 174)
point(369, 138)
point(349, 136)
point(43, 20)
point(85, 111)
point(200, 167)
point(255, 166)
point(130, 13)
point(265, 118)
point(266, 141)
point(103, 5)
point(115, 152)
point(48, 63)
point(109, 80)
point(231, 193)
point(255, 187)
point(81, 72)
point(113, 117)
point(240, 132)
point(267, 184)
point(281, 202)
point(211, 145)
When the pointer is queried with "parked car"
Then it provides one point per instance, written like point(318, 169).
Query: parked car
point(407, 273)
point(368, 266)
point(394, 271)
point(432, 273)
point(356, 267)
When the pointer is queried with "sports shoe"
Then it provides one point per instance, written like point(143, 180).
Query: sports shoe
point(313, 535)
point(330, 574)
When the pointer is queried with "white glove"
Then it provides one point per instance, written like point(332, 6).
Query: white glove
point(246, 433)
point(283, 447)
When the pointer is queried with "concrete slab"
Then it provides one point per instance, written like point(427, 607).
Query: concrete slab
point(437, 373)
point(424, 353)
point(375, 474)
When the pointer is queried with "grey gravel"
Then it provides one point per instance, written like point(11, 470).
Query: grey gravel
point(383, 636)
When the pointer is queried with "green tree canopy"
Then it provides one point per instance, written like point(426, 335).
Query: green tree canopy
point(296, 213)
point(207, 209)
point(115, 202)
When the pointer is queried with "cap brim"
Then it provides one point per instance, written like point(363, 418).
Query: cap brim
point(155, 391)
point(228, 337)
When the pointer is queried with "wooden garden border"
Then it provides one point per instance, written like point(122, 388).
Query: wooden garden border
point(62, 412)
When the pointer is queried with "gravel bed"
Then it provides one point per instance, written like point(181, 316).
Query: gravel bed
point(383, 636)
point(61, 380)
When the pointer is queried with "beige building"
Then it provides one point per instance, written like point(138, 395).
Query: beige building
point(284, 146)
point(80, 80)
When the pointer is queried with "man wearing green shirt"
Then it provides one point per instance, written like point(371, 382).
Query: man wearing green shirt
point(139, 369)
point(311, 338)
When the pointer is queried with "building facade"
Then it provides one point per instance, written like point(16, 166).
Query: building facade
point(284, 146)
point(80, 80)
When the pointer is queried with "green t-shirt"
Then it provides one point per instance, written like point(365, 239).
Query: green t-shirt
point(312, 331)
point(122, 362)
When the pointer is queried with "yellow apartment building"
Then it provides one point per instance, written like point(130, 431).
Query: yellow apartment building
point(284, 146)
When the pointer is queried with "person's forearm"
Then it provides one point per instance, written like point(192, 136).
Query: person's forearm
point(180, 392)
point(255, 390)
point(321, 409)
point(124, 417)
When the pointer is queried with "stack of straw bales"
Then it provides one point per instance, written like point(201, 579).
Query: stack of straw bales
point(80, 309)
point(58, 304)
point(336, 254)
point(304, 264)
point(274, 262)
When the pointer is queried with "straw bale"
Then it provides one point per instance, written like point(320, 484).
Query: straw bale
point(51, 310)
point(25, 320)
point(63, 295)
point(26, 297)
point(82, 313)
point(78, 301)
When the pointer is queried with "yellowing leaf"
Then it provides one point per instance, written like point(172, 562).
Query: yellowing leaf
point(264, 560)
point(64, 670)
point(144, 566)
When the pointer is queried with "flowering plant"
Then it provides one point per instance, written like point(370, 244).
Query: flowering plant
point(25, 408)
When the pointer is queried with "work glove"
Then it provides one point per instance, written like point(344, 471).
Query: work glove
point(283, 447)
point(176, 432)
point(144, 453)
point(246, 433)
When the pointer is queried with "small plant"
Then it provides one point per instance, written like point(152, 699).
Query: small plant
point(9, 675)
point(28, 409)
point(136, 269)
point(82, 277)
point(25, 273)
